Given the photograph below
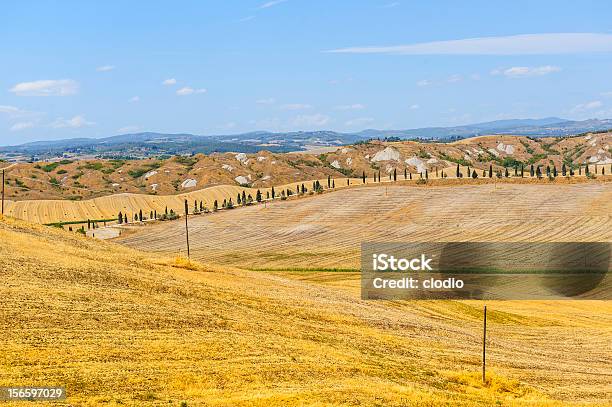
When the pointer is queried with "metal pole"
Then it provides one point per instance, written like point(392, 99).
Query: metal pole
point(484, 346)
point(2, 192)
point(187, 227)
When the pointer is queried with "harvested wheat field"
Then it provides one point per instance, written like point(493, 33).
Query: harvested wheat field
point(107, 207)
point(326, 231)
point(118, 326)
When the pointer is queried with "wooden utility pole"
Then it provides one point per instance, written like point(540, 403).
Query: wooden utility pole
point(187, 227)
point(484, 346)
point(2, 192)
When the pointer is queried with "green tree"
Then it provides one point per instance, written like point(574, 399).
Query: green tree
point(120, 218)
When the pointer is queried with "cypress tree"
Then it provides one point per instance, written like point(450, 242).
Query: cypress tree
point(436, 172)
point(88, 224)
point(474, 175)
point(155, 214)
point(515, 170)
point(267, 194)
point(378, 175)
point(410, 175)
point(151, 215)
point(522, 170)
point(125, 218)
point(563, 170)
point(405, 173)
point(201, 206)
point(458, 173)
point(531, 170)
point(363, 177)
point(394, 174)
point(548, 171)
point(554, 171)
point(484, 173)
point(303, 189)
point(120, 218)
point(506, 173)
point(140, 215)
point(348, 181)
point(329, 181)
point(426, 174)
point(490, 171)
point(580, 170)
point(539, 172)
point(334, 183)
point(238, 199)
point(244, 197)
point(166, 211)
point(273, 194)
point(215, 205)
point(258, 196)
point(586, 169)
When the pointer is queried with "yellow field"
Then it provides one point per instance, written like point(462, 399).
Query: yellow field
point(116, 326)
point(326, 231)
point(107, 207)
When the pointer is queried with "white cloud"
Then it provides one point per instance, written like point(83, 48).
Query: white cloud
point(134, 99)
point(245, 19)
point(105, 68)
point(360, 121)
point(355, 106)
point(524, 44)
point(583, 107)
point(268, 101)
point(169, 82)
point(296, 106)
point(74, 123)
point(22, 126)
point(313, 120)
point(13, 111)
point(606, 94)
point(59, 87)
point(271, 3)
point(454, 78)
point(128, 129)
point(424, 82)
point(391, 5)
point(525, 71)
point(189, 91)
point(414, 107)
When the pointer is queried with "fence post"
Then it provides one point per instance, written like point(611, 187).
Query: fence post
point(187, 227)
point(2, 192)
point(484, 346)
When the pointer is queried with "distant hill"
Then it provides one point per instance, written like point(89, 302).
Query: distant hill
point(88, 178)
point(150, 144)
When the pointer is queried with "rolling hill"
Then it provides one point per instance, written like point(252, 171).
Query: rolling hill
point(120, 327)
point(84, 179)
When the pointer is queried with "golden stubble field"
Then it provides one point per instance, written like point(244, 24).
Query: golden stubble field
point(139, 327)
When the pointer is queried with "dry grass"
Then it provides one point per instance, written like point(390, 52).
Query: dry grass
point(117, 326)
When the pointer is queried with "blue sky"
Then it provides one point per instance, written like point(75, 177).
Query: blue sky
point(95, 69)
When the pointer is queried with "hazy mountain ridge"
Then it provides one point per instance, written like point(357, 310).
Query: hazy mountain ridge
point(147, 144)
